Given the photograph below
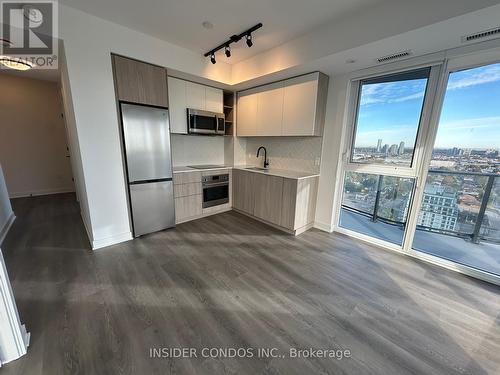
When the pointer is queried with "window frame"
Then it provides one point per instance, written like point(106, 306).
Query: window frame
point(357, 107)
point(462, 58)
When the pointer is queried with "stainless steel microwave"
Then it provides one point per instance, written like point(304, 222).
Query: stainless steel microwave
point(205, 122)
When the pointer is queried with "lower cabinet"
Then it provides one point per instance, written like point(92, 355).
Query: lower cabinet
point(268, 191)
point(243, 186)
point(187, 207)
point(188, 196)
point(284, 202)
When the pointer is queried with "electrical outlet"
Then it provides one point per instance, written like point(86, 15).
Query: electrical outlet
point(317, 161)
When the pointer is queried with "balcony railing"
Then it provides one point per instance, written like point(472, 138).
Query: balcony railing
point(475, 235)
point(478, 231)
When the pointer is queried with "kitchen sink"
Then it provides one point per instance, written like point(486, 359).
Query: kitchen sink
point(256, 169)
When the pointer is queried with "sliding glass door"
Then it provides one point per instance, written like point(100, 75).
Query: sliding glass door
point(459, 217)
point(421, 163)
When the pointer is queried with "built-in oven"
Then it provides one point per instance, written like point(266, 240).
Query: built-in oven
point(205, 122)
point(215, 190)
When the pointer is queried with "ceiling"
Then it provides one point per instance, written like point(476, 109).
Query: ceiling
point(180, 22)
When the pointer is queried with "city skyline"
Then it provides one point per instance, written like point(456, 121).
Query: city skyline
point(463, 124)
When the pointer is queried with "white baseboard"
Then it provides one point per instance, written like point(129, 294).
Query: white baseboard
point(113, 240)
point(324, 227)
point(6, 227)
point(22, 194)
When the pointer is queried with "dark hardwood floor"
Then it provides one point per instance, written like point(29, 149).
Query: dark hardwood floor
point(228, 281)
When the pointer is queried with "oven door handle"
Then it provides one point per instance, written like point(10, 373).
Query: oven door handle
point(209, 185)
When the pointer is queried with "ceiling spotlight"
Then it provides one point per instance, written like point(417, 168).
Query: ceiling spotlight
point(212, 58)
point(5, 43)
point(227, 51)
point(15, 63)
point(249, 40)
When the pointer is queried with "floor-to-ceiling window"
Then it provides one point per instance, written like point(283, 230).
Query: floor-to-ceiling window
point(421, 163)
point(380, 170)
point(459, 218)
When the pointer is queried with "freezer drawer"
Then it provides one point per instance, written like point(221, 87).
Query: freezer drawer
point(152, 206)
point(147, 142)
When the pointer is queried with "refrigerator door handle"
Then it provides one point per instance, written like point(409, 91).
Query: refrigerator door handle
point(138, 182)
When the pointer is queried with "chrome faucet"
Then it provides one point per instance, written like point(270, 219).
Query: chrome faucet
point(266, 162)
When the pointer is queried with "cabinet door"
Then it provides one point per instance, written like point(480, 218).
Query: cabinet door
point(213, 100)
point(177, 105)
point(138, 82)
point(247, 115)
point(195, 96)
point(188, 207)
point(299, 105)
point(243, 191)
point(270, 110)
point(289, 201)
point(268, 197)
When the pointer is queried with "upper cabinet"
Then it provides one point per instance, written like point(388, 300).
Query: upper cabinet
point(178, 105)
point(270, 110)
point(247, 114)
point(183, 95)
point(294, 107)
point(195, 95)
point(214, 99)
point(139, 82)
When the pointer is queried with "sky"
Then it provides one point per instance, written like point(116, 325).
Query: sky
point(470, 117)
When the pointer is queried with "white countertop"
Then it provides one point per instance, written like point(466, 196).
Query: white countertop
point(297, 175)
point(180, 169)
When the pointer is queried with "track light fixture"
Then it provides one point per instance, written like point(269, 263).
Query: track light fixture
point(249, 40)
point(247, 34)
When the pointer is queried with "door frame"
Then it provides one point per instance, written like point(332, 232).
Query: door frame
point(447, 61)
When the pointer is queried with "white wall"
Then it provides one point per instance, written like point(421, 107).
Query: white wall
point(334, 119)
point(32, 137)
point(88, 43)
point(6, 215)
point(74, 146)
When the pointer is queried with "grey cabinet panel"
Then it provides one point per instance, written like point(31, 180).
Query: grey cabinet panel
point(139, 82)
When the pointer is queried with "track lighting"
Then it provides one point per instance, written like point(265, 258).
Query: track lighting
point(233, 39)
point(249, 40)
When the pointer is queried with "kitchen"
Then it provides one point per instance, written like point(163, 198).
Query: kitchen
point(213, 162)
point(185, 182)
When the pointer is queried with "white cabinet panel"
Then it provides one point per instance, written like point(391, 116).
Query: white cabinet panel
point(270, 110)
point(247, 115)
point(299, 105)
point(294, 107)
point(177, 105)
point(195, 95)
point(213, 100)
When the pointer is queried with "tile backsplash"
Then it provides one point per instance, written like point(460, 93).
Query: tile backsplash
point(292, 153)
point(193, 149)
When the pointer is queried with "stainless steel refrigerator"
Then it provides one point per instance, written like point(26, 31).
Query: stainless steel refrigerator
point(146, 134)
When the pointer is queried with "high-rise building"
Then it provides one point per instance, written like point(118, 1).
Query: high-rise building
point(439, 209)
point(401, 149)
point(385, 149)
point(379, 145)
point(393, 150)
